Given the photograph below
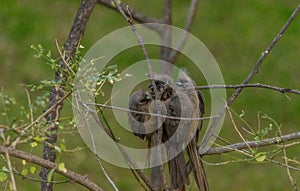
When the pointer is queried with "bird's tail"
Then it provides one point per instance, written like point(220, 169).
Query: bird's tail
point(178, 172)
point(197, 167)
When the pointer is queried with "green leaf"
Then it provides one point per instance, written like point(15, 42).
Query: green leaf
point(3, 176)
point(57, 149)
point(50, 175)
point(11, 187)
point(39, 139)
point(23, 162)
point(32, 169)
point(33, 144)
point(261, 156)
point(61, 167)
point(24, 171)
point(4, 169)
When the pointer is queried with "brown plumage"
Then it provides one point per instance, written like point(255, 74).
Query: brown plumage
point(139, 101)
point(180, 100)
point(186, 85)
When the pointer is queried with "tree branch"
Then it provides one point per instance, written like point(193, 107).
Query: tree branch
point(187, 27)
point(82, 180)
point(109, 133)
point(252, 144)
point(141, 18)
point(61, 77)
point(256, 85)
point(254, 71)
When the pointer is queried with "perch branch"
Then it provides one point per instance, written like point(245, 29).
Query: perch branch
point(252, 144)
point(254, 71)
point(256, 85)
point(82, 180)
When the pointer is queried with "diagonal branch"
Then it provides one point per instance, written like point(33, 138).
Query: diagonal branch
point(252, 144)
point(82, 180)
point(109, 133)
point(254, 71)
point(187, 27)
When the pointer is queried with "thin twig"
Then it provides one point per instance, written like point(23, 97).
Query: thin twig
point(188, 25)
point(106, 174)
point(236, 129)
point(151, 114)
point(286, 162)
point(109, 133)
point(10, 168)
point(39, 180)
point(247, 79)
point(12, 177)
point(256, 85)
point(166, 38)
point(50, 109)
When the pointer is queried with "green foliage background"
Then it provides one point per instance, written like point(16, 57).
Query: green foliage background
point(236, 32)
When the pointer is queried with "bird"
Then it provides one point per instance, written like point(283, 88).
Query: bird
point(186, 85)
point(140, 101)
point(183, 101)
point(180, 100)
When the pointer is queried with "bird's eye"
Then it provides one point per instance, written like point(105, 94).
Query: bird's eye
point(151, 88)
point(144, 101)
point(179, 83)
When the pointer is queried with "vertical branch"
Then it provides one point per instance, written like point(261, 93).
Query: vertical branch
point(166, 37)
point(11, 172)
point(187, 27)
point(160, 179)
point(61, 77)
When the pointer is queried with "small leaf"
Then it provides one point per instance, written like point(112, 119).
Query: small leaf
point(11, 186)
point(39, 139)
point(61, 167)
point(50, 175)
point(24, 171)
point(3, 176)
point(260, 157)
point(57, 149)
point(4, 169)
point(32, 169)
point(33, 144)
point(23, 162)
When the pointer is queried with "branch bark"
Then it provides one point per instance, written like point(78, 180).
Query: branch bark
point(141, 18)
point(252, 144)
point(82, 180)
point(187, 27)
point(61, 77)
point(256, 85)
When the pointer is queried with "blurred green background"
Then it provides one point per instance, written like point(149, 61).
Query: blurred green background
point(236, 32)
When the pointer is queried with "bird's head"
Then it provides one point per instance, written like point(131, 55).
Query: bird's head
point(139, 97)
point(164, 87)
